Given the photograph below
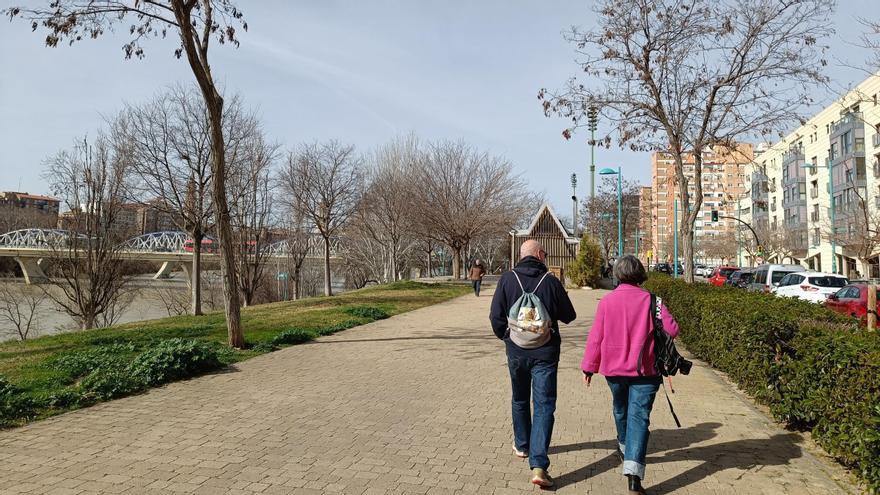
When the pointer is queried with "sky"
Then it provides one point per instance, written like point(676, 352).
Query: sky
point(361, 72)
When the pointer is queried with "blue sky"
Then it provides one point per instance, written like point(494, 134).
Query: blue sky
point(358, 71)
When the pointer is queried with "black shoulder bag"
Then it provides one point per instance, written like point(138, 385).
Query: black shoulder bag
point(668, 361)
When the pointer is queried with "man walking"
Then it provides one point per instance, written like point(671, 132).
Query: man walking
point(475, 275)
point(533, 370)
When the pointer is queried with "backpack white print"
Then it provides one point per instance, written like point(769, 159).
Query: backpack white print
point(529, 324)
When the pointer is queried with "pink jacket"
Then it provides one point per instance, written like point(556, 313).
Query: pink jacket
point(619, 332)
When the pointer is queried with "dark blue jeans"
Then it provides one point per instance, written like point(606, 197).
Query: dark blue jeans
point(477, 284)
point(533, 380)
point(633, 399)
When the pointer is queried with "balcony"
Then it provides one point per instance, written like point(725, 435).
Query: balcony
point(847, 122)
point(875, 140)
point(814, 216)
point(814, 193)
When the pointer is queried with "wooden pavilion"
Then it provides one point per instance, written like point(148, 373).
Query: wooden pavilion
point(560, 243)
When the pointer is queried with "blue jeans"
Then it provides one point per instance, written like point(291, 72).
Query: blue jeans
point(633, 399)
point(477, 284)
point(533, 380)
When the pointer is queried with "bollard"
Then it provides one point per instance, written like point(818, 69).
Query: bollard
point(872, 307)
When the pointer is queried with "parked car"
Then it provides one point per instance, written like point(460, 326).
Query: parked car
point(719, 275)
point(702, 270)
point(663, 268)
point(768, 276)
point(851, 300)
point(810, 286)
point(740, 278)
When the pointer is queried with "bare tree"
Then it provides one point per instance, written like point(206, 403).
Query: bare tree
point(685, 75)
point(251, 187)
point(171, 162)
point(600, 215)
point(325, 183)
point(86, 262)
point(196, 22)
point(457, 193)
point(174, 301)
point(19, 305)
point(383, 218)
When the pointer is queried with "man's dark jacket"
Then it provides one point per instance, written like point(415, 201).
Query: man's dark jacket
point(553, 297)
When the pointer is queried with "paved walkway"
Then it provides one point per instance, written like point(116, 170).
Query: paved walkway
point(415, 404)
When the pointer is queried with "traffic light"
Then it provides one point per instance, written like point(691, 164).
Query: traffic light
point(714, 215)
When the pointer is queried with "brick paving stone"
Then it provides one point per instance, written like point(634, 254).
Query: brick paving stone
point(416, 404)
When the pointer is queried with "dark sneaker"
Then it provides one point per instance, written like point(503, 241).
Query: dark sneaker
point(541, 478)
point(634, 483)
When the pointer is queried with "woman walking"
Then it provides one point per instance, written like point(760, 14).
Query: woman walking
point(475, 275)
point(620, 347)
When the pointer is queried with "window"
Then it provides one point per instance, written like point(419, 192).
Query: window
point(802, 191)
point(833, 151)
point(846, 142)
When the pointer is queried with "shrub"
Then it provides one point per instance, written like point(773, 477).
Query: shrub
point(816, 370)
point(13, 404)
point(174, 359)
point(344, 325)
point(264, 347)
point(78, 364)
point(110, 383)
point(587, 267)
point(368, 312)
point(293, 336)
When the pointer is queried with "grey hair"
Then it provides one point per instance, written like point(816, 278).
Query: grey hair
point(629, 270)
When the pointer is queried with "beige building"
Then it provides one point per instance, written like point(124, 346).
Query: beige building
point(790, 199)
point(723, 173)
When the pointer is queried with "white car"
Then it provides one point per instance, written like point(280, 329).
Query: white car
point(810, 286)
point(702, 270)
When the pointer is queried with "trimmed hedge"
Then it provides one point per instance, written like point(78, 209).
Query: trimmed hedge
point(816, 370)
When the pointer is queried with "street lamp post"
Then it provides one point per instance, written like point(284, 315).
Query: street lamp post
point(611, 171)
point(574, 205)
point(830, 200)
point(592, 120)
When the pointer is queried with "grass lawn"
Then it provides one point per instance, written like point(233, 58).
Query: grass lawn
point(46, 375)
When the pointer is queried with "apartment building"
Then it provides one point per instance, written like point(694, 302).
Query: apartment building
point(40, 210)
point(831, 160)
point(723, 182)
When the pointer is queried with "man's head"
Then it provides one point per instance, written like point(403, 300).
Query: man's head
point(532, 248)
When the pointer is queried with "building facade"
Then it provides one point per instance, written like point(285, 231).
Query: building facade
point(24, 210)
point(828, 167)
point(723, 180)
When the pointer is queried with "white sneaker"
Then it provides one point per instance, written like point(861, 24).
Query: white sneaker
point(522, 454)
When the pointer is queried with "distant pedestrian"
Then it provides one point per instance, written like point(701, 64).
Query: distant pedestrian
point(475, 275)
point(532, 355)
point(620, 347)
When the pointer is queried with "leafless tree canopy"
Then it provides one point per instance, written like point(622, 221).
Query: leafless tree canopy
point(600, 213)
point(325, 183)
point(86, 264)
point(197, 23)
point(19, 304)
point(459, 193)
point(684, 75)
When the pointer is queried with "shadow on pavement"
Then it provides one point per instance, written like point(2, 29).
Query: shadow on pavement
point(746, 454)
point(674, 445)
point(660, 441)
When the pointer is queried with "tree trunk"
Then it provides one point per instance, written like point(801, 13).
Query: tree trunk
point(198, 62)
point(328, 291)
point(295, 281)
point(430, 251)
point(224, 227)
point(456, 262)
point(196, 275)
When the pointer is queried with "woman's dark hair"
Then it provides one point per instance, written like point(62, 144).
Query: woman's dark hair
point(629, 270)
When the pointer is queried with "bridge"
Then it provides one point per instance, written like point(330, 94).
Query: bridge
point(32, 247)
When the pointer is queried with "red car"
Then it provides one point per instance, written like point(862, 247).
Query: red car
point(720, 274)
point(851, 300)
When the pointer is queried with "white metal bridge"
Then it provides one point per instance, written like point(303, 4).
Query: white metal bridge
point(30, 247)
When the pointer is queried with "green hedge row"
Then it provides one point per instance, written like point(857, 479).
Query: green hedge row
point(816, 370)
point(116, 369)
